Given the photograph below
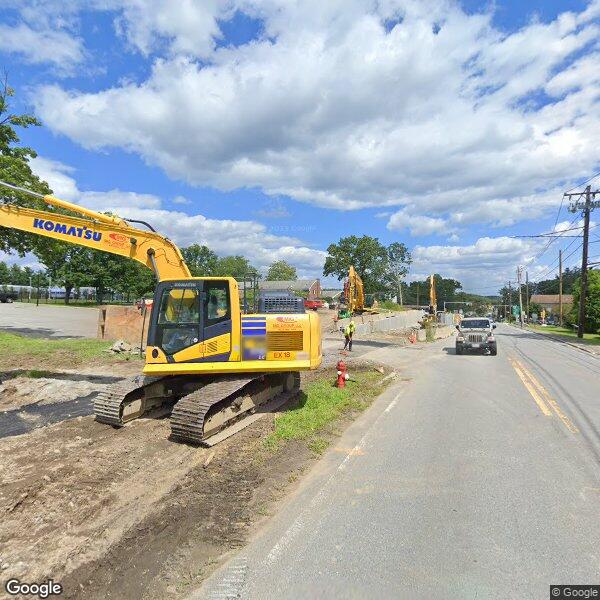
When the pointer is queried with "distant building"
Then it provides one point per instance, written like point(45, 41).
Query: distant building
point(550, 302)
point(335, 295)
point(311, 287)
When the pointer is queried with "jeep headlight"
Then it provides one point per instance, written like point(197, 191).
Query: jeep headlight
point(460, 338)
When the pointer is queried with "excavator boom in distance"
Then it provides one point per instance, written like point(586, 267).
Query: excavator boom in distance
point(206, 362)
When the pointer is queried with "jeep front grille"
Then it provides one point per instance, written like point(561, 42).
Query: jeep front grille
point(475, 337)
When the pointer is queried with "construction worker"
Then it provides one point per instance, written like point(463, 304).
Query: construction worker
point(348, 333)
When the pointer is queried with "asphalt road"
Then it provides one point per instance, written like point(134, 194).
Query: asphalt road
point(473, 477)
point(48, 320)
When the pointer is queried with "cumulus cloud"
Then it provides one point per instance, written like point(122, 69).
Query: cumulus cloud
point(348, 104)
point(224, 236)
point(490, 262)
point(185, 26)
point(62, 49)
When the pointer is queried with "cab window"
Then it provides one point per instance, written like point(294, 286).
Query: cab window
point(217, 306)
point(179, 306)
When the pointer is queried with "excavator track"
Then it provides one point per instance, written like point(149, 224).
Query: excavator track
point(231, 399)
point(109, 404)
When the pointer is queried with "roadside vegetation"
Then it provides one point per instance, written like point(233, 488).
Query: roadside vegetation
point(321, 404)
point(589, 338)
point(40, 353)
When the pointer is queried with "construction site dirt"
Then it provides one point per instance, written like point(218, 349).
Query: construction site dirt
point(127, 513)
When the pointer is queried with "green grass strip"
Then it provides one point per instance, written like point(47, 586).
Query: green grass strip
point(321, 403)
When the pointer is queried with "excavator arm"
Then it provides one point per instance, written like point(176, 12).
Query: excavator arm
point(97, 231)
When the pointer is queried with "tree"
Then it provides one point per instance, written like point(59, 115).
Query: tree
point(234, 266)
point(398, 262)
point(367, 254)
point(4, 273)
point(592, 302)
point(281, 271)
point(15, 169)
point(67, 265)
point(201, 260)
point(551, 286)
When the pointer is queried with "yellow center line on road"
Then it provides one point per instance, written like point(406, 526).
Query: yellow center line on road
point(530, 388)
point(541, 395)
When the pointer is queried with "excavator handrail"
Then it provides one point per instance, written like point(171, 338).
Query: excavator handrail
point(96, 230)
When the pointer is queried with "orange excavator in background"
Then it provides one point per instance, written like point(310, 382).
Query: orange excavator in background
point(206, 362)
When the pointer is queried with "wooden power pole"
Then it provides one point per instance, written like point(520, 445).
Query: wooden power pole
point(586, 207)
point(519, 272)
point(527, 295)
point(560, 289)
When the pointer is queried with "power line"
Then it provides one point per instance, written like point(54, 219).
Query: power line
point(583, 183)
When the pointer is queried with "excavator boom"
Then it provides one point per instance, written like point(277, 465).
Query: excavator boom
point(97, 231)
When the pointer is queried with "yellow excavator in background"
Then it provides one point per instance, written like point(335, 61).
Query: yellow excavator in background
point(206, 362)
point(354, 292)
point(356, 300)
point(431, 316)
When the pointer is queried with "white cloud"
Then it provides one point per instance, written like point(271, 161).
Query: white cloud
point(62, 49)
point(185, 27)
point(417, 224)
point(329, 108)
point(482, 267)
point(181, 200)
point(224, 236)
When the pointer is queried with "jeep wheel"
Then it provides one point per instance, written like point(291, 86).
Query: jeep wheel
point(493, 350)
point(459, 351)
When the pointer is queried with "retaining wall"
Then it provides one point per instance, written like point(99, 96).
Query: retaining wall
point(368, 323)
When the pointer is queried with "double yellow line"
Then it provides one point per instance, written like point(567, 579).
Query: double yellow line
point(546, 403)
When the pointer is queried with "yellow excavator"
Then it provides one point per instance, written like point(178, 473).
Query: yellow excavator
point(430, 318)
point(355, 299)
point(207, 363)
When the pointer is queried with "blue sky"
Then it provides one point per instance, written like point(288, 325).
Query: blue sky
point(272, 128)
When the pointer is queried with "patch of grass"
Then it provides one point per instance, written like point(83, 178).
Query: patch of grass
point(20, 348)
point(321, 403)
point(389, 305)
point(589, 338)
point(35, 374)
point(318, 445)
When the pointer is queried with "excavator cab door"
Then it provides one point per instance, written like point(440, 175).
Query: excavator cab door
point(187, 315)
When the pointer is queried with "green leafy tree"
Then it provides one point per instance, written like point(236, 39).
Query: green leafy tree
point(551, 286)
point(67, 265)
point(369, 257)
point(134, 279)
point(4, 273)
point(201, 260)
point(234, 266)
point(281, 271)
point(592, 302)
point(398, 263)
point(15, 169)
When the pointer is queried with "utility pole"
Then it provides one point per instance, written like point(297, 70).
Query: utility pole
point(519, 272)
point(527, 294)
point(560, 304)
point(586, 208)
point(509, 301)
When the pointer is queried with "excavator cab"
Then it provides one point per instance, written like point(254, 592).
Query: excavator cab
point(192, 321)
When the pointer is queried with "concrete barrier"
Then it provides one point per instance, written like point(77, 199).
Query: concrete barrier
point(384, 322)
